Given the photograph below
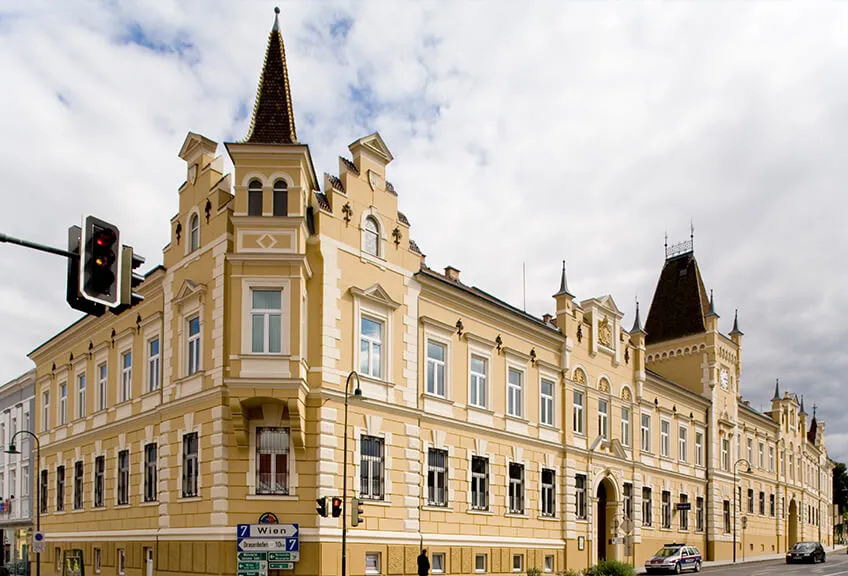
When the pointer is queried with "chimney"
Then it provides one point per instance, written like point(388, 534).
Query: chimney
point(452, 273)
point(546, 318)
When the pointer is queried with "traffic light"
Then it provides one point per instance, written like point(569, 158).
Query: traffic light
point(100, 262)
point(337, 506)
point(130, 279)
point(356, 512)
point(73, 296)
point(322, 506)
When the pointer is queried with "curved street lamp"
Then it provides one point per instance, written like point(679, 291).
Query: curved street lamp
point(748, 470)
point(357, 393)
point(13, 450)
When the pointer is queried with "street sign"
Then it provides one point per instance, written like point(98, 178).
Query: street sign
point(261, 545)
point(268, 544)
point(684, 505)
point(251, 573)
point(39, 544)
point(281, 566)
point(618, 540)
point(283, 556)
point(267, 531)
point(250, 565)
point(252, 556)
point(627, 525)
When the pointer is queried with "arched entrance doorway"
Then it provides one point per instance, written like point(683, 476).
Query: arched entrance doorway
point(606, 522)
point(792, 531)
point(601, 515)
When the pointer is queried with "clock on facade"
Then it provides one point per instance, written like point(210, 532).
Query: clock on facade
point(724, 378)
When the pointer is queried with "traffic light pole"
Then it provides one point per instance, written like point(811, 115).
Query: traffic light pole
point(357, 392)
point(37, 246)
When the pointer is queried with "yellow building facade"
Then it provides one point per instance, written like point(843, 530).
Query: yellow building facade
point(496, 440)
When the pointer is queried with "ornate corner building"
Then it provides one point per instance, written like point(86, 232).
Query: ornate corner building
point(497, 440)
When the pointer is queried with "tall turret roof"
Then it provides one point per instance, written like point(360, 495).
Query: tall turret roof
point(680, 300)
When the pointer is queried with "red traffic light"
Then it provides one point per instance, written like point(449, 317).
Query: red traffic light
point(105, 237)
point(337, 506)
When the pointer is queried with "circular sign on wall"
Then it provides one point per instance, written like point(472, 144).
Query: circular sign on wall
point(268, 518)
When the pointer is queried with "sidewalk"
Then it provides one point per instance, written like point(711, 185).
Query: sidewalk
point(763, 558)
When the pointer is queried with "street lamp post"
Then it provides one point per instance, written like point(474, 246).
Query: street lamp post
point(735, 464)
point(357, 393)
point(13, 450)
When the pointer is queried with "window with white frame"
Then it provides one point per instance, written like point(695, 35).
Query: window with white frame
point(63, 403)
point(549, 563)
point(371, 237)
point(60, 488)
point(153, 364)
point(762, 503)
point(25, 481)
point(479, 376)
point(580, 496)
point(646, 432)
point(151, 466)
point(725, 454)
point(771, 505)
point(437, 477)
point(99, 481)
point(193, 233)
point(516, 488)
point(78, 484)
point(479, 483)
point(45, 410)
point(625, 427)
point(665, 429)
point(193, 345)
point(761, 455)
point(577, 412)
point(272, 460)
point(98, 560)
point(750, 500)
point(370, 347)
point(518, 562)
point(699, 448)
point(122, 561)
point(81, 396)
point(548, 492)
point(514, 391)
point(666, 509)
point(750, 447)
point(436, 356)
point(547, 402)
point(628, 501)
point(603, 419)
point(126, 376)
point(647, 506)
point(372, 562)
point(771, 459)
point(699, 514)
point(437, 564)
point(683, 513)
point(480, 563)
point(123, 477)
point(266, 321)
point(102, 385)
point(190, 464)
point(682, 445)
point(371, 468)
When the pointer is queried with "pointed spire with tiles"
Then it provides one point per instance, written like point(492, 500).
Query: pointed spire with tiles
point(273, 116)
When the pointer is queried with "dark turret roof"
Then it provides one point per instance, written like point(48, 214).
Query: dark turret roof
point(736, 329)
point(637, 323)
point(563, 283)
point(776, 389)
point(273, 116)
point(680, 301)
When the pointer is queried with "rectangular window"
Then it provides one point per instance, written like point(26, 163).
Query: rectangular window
point(437, 477)
point(547, 407)
point(371, 468)
point(516, 488)
point(726, 510)
point(272, 461)
point(479, 372)
point(665, 427)
point(98, 560)
point(81, 396)
point(580, 496)
point(750, 446)
point(549, 563)
point(60, 489)
point(761, 455)
point(43, 494)
point(628, 501)
point(78, 484)
point(45, 410)
point(123, 477)
point(63, 403)
point(99, 481)
point(699, 514)
point(603, 419)
point(25, 481)
point(150, 473)
point(437, 565)
point(725, 454)
point(666, 509)
point(771, 459)
point(126, 376)
point(750, 501)
point(193, 345)
point(577, 412)
point(436, 354)
point(682, 448)
point(514, 385)
point(122, 561)
point(372, 562)
point(683, 514)
point(479, 483)
point(480, 563)
point(371, 348)
point(625, 427)
point(190, 467)
point(647, 507)
point(548, 492)
point(266, 324)
point(646, 432)
point(518, 562)
point(699, 448)
point(762, 503)
point(153, 365)
point(102, 385)
point(771, 505)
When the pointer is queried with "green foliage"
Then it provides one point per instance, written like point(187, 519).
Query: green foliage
point(611, 568)
point(572, 572)
point(534, 572)
point(840, 487)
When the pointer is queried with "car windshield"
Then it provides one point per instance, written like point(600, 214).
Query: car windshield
point(803, 547)
point(666, 552)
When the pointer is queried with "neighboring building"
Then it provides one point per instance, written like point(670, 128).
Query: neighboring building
point(16, 487)
point(498, 440)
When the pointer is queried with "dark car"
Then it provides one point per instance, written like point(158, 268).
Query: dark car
point(674, 558)
point(806, 552)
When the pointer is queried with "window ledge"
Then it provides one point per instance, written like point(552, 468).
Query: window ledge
point(435, 508)
point(483, 409)
point(77, 510)
point(437, 398)
point(516, 515)
point(547, 518)
point(121, 506)
point(553, 427)
point(374, 502)
point(284, 497)
point(149, 504)
point(193, 498)
point(480, 511)
point(373, 380)
point(150, 393)
point(521, 419)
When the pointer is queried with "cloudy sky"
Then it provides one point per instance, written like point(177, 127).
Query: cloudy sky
point(579, 131)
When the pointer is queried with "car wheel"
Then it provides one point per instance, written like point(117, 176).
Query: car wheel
point(824, 558)
point(697, 566)
point(677, 568)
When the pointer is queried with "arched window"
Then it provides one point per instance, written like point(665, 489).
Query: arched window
point(281, 198)
point(193, 233)
point(254, 198)
point(371, 238)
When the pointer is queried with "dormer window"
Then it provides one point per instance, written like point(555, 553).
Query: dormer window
point(371, 237)
point(281, 198)
point(193, 233)
point(254, 198)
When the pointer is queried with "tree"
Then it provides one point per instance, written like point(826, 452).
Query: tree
point(840, 487)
